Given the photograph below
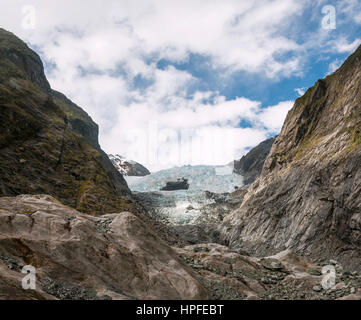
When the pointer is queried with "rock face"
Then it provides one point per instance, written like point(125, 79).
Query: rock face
point(250, 166)
point(118, 256)
point(308, 197)
point(78, 256)
point(48, 144)
point(128, 167)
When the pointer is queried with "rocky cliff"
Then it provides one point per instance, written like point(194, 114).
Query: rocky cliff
point(250, 166)
point(48, 144)
point(308, 197)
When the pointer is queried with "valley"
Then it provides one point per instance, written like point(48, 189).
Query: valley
point(282, 223)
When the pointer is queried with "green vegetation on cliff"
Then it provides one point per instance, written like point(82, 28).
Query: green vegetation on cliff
point(48, 144)
point(327, 108)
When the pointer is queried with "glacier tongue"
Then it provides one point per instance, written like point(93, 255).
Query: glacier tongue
point(183, 206)
point(218, 179)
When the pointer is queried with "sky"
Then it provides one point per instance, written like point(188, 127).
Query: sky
point(179, 82)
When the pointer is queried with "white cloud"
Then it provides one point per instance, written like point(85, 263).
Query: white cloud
point(334, 65)
point(242, 35)
point(300, 91)
point(350, 8)
point(199, 129)
point(162, 148)
point(358, 18)
point(99, 49)
point(273, 117)
point(341, 45)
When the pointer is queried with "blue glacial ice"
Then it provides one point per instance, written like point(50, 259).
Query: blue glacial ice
point(184, 206)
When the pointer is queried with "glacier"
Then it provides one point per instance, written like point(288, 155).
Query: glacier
point(182, 207)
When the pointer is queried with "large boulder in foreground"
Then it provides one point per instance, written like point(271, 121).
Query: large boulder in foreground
point(79, 256)
point(47, 143)
point(308, 197)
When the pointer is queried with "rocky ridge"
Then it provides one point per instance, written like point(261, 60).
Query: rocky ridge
point(50, 145)
point(250, 165)
point(128, 167)
point(308, 197)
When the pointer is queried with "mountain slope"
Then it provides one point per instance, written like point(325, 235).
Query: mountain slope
point(48, 144)
point(250, 165)
point(308, 197)
point(128, 167)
